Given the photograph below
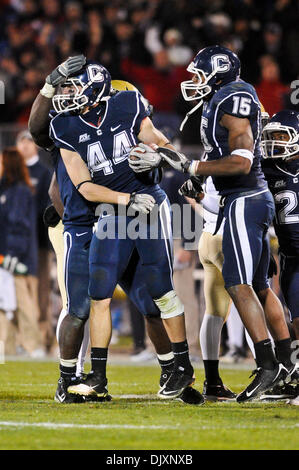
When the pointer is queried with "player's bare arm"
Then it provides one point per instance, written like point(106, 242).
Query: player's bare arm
point(237, 163)
point(143, 157)
point(150, 135)
point(39, 121)
point(55, 196)
point(80, 177)
point(79, 173)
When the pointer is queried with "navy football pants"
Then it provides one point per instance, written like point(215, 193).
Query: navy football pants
point(245, 242)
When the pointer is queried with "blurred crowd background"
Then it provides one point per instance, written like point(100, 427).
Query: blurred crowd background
point(148, 43)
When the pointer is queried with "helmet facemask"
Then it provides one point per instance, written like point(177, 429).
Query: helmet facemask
point(196, 90)
point(82, 96)
point(279, 148)
point(68, 102)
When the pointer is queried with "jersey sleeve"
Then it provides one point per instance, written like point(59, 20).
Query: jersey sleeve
point(144, 111)
point(241, 104)
point(58, 133)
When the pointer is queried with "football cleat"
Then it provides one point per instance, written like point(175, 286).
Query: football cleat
point(63, 396)
point(293, 376)
point(279, 393)
point(92, 385)
point(94, 398)
point(191, 396)
point(217, 392)
point(264, 380)
point(294, 401)
point(176, 384)
point(164, 377)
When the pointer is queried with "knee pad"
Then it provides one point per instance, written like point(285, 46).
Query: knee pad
point(169, 305)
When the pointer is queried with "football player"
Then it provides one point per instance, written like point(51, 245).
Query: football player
point(217, 300)
point(280, 148)
point(230, 132)
point(142, 299)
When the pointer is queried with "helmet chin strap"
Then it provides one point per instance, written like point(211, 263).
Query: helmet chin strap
point(199, 104)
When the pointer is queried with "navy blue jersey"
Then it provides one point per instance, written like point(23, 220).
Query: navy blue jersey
point(283, 181)
point(237, 99)
point(104, 138)
point(77, 211)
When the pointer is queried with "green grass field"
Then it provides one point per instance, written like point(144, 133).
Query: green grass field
point(30, 419)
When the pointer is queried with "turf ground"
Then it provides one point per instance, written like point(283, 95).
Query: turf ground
point(135, 419)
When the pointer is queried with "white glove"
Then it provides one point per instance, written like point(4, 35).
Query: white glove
point(177, 160)
point(143, 203)
point(147, 158)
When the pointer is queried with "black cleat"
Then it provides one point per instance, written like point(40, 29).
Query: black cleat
point(94, 398)
point(218, 392)
point(92, 385)
point(164, 377)
point(278, 393)
point(191, 396)
point(293, 375)
point(176, 384)
point(264, 380)
point(63, 396)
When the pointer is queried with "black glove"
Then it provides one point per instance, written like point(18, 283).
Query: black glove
point(51, 217)
point(64, 70)
point(192, 188)
point(272, 269)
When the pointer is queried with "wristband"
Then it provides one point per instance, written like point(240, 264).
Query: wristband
point(244, 153)
point(193, 167)
point(48, 91)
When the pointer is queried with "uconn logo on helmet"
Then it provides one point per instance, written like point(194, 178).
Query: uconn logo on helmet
point(221, 62)
point(94, 73)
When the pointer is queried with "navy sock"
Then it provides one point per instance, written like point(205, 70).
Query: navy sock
point(265, 357)
point(181, 356)
point(99, 360)
point(283, 352)
point(212, 372)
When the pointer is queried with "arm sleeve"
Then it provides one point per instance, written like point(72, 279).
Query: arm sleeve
point(142, 111)
point(239, 104)
point(58, 128)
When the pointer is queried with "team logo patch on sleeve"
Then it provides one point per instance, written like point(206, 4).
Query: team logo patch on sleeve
point(84, 138)
point(280, 184)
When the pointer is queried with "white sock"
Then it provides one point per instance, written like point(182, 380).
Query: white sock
point(209, 337)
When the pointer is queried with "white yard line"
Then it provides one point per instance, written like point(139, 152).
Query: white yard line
point(22, 424)
point(57, 426)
